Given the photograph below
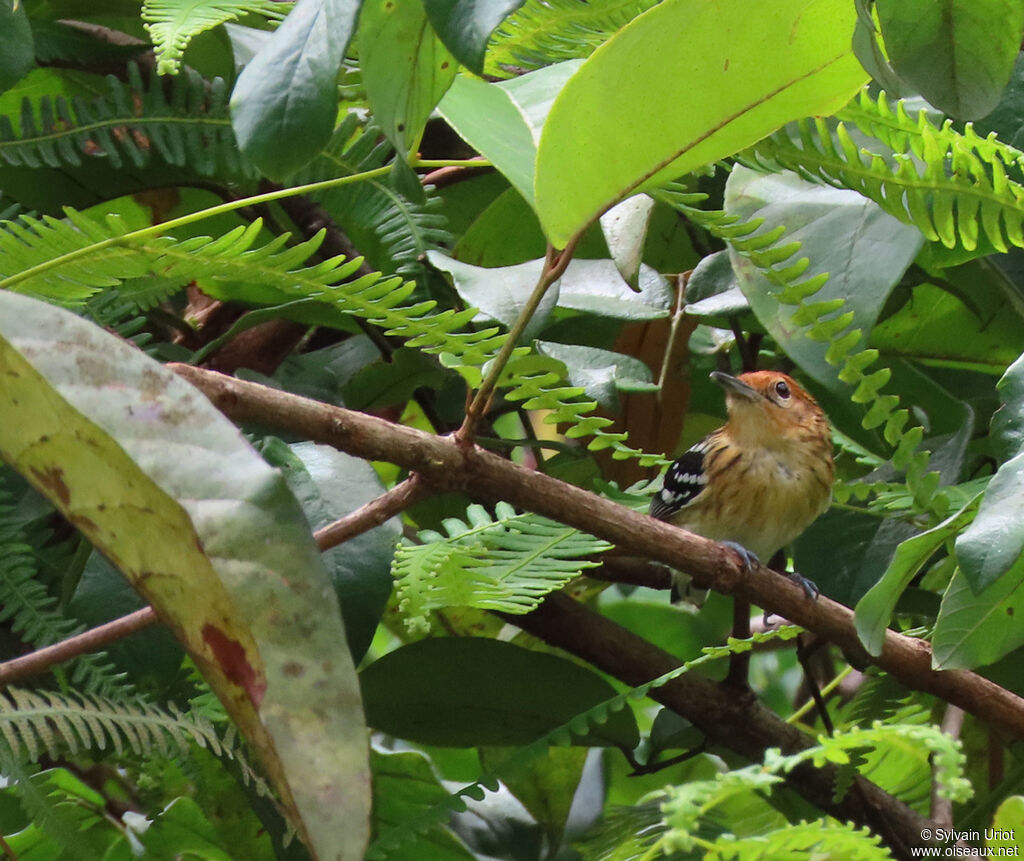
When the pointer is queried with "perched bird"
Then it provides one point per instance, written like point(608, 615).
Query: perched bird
point(760, 480)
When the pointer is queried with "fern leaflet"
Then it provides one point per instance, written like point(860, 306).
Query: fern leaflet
point(173, 23)
point(190, 126)
point(508, 564)
point(542, 32)
point(31, 610)
point(944, 182)
point(392, 231)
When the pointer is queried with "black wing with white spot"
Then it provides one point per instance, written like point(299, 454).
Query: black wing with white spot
point(683, 481)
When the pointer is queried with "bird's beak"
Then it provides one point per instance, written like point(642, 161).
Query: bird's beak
point(735, 386)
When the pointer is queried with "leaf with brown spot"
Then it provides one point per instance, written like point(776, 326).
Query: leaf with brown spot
point(169, 490)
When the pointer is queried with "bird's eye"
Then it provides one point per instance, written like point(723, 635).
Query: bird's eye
point(782, 390)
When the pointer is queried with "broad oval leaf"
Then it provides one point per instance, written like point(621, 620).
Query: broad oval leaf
point(465, 26)
point(958, 54)
point(503, 121)
point(405, 68)
point(209, 534)
point(875, 609)
point(470, 691)
point(285, 101)
point(974, 629)
point(683, 85)
point(861, 271)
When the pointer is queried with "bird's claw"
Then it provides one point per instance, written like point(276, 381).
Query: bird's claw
point(810, 588)
point(748, 559)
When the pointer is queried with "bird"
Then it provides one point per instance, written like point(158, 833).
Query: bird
point(760, 480)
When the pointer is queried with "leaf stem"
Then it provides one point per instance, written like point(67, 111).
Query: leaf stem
point(555, 264)
point(191, 218)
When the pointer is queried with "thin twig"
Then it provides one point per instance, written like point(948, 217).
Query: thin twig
point(942, 807)
point(92, 640)
point(373, 514)
point(555, 264)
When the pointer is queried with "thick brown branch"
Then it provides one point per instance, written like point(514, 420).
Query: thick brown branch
point(727, 716)
point(444, 465)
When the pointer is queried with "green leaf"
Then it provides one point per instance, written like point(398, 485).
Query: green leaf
point(1007, 426)
point(508, 563)
point(467, 692)
point(875, 609)
point(546, 785)
point(697, 83)
point(502, 293)
point(995, 540)
point(938, 327)
point(958, 54)
point(405, 787)
point(17, 54)
point(330, 484)
point(625, 230)
point(862, 269)
point(161, 483)
point(182, 830)
point(285, 101)
point(503, 121)
point(465, 26)
point(602, 374)
point(172, 24)
point(387, 384)
point(405, 68)
point(975, 629)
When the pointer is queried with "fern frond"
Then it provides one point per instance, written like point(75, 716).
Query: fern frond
point(391, 231)
point(542, 32)
point(806, 840)
point(190, 126)
point(942, 181)
point(173, 23)
point(538, 381)
point(31, 611)
point(68, 261)
point(507, 564)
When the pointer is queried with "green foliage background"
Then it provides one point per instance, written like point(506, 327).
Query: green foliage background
point(356, 201)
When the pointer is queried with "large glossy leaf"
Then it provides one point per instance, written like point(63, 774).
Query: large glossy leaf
point(593, 286)
point(330, 484)
point(466, 25)
point(875, 609)
point(16, 51)
point(405, 68)
point(208, 533)
point(862, 269)
point(995, 540)
point(974, 629)
point(958, 54)
point(468, 691)
point(503, 121)
point(285, 102)
point(684, 84)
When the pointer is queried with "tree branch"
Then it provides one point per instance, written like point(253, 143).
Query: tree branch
point(446, 466)
point(92, 640)
point(363, 519)
point(728, 717)
point(374, 513)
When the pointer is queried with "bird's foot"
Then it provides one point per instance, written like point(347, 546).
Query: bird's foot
point(810, 588)
point(748, 558)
